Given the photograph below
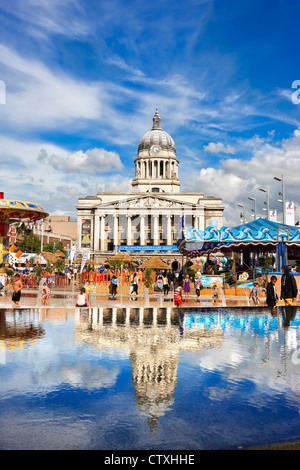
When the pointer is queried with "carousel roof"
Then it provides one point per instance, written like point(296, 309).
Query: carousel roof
point(11, 210)
point(260, 233)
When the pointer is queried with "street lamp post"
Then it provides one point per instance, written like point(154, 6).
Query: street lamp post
point(267, 201)
point(282, 193)
point(254, 210)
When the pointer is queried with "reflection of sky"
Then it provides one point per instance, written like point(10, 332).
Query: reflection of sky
point(54, 361)
point(59, 393)
point(254, 348)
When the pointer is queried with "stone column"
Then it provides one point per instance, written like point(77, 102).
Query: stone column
point(128, 229)
point(96, 233)
point(142, 230)
point(102, 233)
point(155, 230)
point(116, 230)
point(169, 230)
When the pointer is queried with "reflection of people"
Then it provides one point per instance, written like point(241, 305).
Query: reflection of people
point(17, 289)
point(254, 293)
point(82, 299)
point(288, 286)
point(288, 314)
point(178, 300)
point(272, 297)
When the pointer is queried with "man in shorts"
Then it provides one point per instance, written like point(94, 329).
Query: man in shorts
point(17, 289)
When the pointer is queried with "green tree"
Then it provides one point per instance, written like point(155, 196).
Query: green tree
point(30, 243)
point(148, 279)
point(52, 247)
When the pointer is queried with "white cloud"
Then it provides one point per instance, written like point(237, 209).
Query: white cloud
point(39, 98)
point(96, 159)
point(219, 147)
point(41, 17)
point(235, 179)
point(40, 172)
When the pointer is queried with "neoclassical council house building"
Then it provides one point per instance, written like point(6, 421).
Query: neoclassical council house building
point(147, 219)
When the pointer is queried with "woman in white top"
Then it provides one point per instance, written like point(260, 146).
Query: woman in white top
point(135, 285)
point(82, 299)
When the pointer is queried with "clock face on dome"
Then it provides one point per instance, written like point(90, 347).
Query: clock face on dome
point(155, 149)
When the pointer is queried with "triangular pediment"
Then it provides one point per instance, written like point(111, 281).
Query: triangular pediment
point(145, 201)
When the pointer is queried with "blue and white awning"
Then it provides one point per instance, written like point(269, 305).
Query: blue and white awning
point(260, 232)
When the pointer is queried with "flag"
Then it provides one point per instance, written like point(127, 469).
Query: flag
point(84, 259)
point(72, 254)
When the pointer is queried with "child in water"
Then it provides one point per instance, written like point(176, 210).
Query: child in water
point(45, 295)
point(215, 295)
point(178, 300)
point(254, 294)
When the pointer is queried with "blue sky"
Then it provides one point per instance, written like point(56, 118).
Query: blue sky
point(83, 79)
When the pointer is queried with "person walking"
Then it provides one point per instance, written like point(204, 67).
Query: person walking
point(135, 285)
point(166, 285)
point(114, 285)
point(289, 288)
point(198, 286)
point(272, 297)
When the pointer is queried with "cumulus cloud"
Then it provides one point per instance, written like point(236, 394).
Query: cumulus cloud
point(236, 179)
point(96, 159)
point(219, 147)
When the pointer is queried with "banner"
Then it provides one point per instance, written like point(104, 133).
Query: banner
point(72, 254)
point(211, 281)
point(84, 260)
point(147, 247)
point(86, 233)
point(289, 213)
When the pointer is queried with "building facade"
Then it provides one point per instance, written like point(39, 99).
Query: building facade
point(149, 217)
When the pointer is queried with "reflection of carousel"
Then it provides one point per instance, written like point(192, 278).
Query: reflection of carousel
point(14, 211)
point(154, 337)
point(18, 330)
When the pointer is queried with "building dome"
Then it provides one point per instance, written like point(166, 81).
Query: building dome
point(156, 164)
point(156, 136)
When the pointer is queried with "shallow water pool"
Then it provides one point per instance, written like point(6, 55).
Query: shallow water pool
point(126, 378)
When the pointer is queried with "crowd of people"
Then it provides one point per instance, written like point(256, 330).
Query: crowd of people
point(165, 281)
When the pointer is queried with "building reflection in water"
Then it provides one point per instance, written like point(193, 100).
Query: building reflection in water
point(154, 338)
point(19, 328)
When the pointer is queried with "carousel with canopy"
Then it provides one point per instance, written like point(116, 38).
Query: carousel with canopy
point(16, 211)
